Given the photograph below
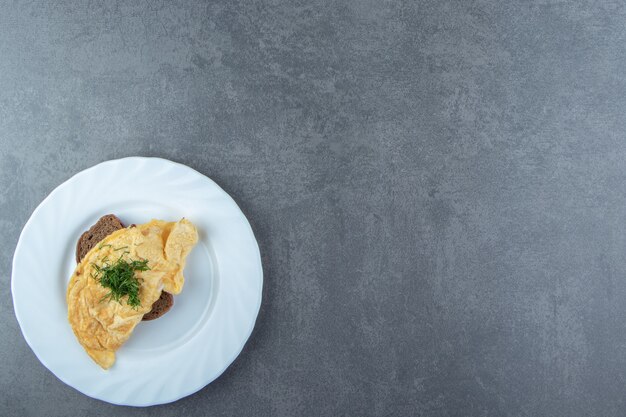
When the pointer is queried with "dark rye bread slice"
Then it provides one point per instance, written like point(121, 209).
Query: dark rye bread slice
point(104, 227)
point(88, 240)
point(160, 306)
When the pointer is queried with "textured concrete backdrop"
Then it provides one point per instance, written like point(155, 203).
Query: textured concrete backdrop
point(438, 189)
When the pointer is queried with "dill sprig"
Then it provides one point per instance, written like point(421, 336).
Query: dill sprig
point(120, 279)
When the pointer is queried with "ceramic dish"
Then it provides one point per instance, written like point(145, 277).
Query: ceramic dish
point(191, 345)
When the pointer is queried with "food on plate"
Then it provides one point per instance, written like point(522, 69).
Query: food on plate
point(160, 306)
point(104, 227)
point(120, 278)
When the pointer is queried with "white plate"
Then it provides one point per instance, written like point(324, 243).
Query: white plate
point(191, 345)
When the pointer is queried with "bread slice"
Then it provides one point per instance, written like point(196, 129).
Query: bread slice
point(160, 306)
point(104, 227)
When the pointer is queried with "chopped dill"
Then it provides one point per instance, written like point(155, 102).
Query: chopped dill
point(122, 255)
point(120, 279)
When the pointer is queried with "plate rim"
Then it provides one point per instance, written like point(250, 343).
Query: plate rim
point(248, 227)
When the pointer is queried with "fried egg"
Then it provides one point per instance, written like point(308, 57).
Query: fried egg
point(102, 324)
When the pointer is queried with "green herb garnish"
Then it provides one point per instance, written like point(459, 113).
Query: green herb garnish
point(120, 279)
point(104, 245)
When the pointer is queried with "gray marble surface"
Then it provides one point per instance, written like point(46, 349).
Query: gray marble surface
point(437, 187)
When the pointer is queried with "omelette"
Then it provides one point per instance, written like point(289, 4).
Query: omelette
point(102, 319)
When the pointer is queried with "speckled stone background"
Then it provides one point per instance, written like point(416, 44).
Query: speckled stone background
point(438, 189)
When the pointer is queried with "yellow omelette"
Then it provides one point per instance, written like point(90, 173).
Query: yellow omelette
point(101, 324)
